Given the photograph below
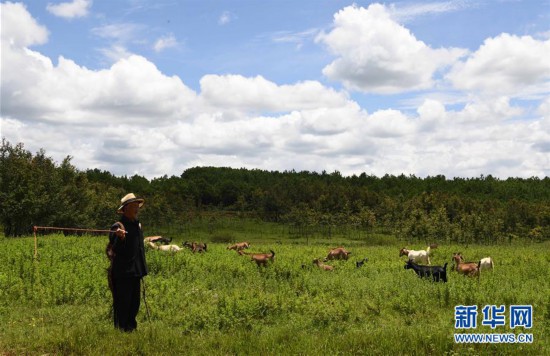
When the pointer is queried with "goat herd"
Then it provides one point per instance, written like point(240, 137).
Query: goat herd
point(414, 257)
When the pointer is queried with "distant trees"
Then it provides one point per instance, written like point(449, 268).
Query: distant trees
point(34, 190)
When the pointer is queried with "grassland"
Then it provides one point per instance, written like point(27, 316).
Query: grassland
point(220, 303)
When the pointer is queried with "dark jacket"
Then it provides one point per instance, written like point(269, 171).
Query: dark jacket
point(129, 258)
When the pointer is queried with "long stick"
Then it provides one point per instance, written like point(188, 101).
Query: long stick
point(36, 228)
point(68, 229)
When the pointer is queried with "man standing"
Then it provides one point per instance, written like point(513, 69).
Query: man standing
point(128, 263)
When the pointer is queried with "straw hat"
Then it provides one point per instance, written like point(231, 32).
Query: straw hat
point(129, 198)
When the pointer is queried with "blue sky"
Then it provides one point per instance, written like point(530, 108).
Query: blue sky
point(459, 88)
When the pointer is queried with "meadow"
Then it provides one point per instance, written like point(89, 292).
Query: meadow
point(220, 303)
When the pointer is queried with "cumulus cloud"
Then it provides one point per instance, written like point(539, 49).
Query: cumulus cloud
point(34, 89)
point(19, 28)
point(505, 65)
point(69, 10)
point(131, 118)
point(544, 108)
point(257, 94)
point(132, 90)
point(376, 54)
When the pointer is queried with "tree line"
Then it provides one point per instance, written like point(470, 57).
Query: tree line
point(36, 190)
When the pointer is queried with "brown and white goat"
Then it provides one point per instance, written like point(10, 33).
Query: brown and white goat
point(239, 246)
point(470, 269)
point(338, 253)
point(322, 266)
point(485, 263)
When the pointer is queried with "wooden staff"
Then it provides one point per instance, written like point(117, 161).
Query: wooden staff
point(36, 228)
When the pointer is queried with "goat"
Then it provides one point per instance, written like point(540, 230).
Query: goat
point(486, 264)
point(164, 248)
point(239, 246)
point(339, 253)
point(437, 273)
point(418, 256)
point(470, 269)
point(195, 246)
point(322, 265)
point(262, 258)
point(359, 264)
point(161, 239)
point(199, 247)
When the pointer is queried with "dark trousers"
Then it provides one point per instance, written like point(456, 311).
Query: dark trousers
point(126, 302)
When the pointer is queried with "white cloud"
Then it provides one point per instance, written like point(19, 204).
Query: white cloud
point(165, 42)
point(544, 108)
point(390, 124)
point(235, 92)
point(431, 114)
point(505, 65)
point(119, 36)
point(132, 90)
point(119, 32)
point(411, 10)
point(19, 29)
point(296, 38)
point(131, 118)
point(69, 10)
point(497, 109)
point(115, 53)
point(376, 54)
point(226, 17)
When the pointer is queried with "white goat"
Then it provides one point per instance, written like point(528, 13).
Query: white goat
point(417, 256)
point(165, 248)
point(486, 264)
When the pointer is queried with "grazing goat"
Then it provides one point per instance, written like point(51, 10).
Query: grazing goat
point(195, 246)
point(339, 253)
point(261, 259)
point(486, 264)
point(164, 248)
point(417, 256)
point(322, 266)
point(438, 273)
point(161, 239)
point(239, 246)
point(470, 269)
point(359, 264)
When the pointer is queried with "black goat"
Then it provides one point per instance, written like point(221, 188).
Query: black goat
point(438, 273)
point(359, 264)
point(164, 240)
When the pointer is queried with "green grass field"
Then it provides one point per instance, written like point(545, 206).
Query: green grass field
point(220, 303)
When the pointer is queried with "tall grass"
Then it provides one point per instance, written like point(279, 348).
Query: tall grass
point(222, 303)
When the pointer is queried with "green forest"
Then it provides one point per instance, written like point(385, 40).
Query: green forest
point(36, 190)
